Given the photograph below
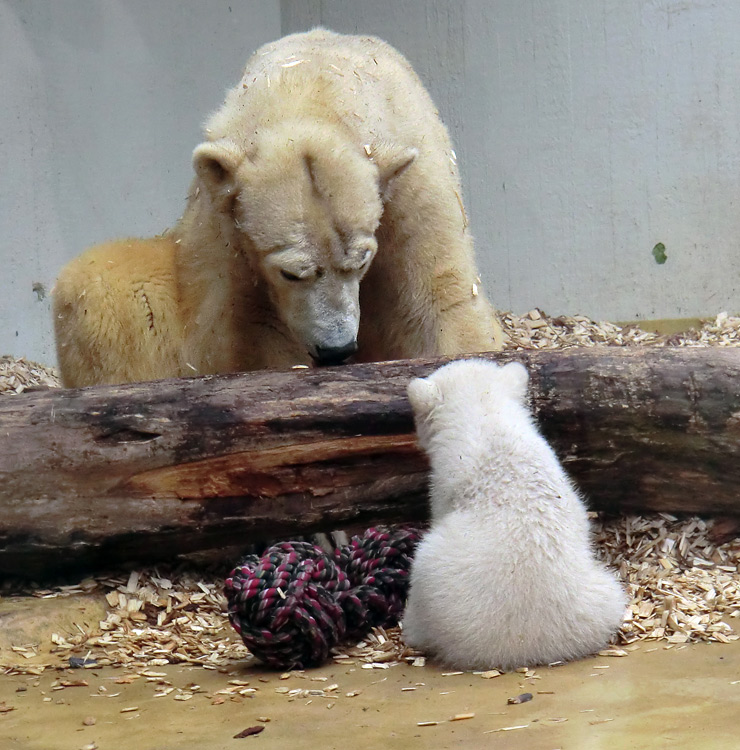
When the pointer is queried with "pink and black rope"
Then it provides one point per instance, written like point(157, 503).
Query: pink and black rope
point(294, 603)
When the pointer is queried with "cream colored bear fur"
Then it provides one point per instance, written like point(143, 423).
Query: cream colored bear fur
point(506, 576)
point(326, 185)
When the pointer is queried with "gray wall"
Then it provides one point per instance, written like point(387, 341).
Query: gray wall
point(587, 132)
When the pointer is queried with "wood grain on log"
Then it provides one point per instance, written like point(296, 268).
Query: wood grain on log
point(101, 475)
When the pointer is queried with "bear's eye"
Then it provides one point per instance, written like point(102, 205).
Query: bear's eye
point(289, 276)
point(366, 256)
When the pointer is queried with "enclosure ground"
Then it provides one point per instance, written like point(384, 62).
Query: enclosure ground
point(658, 697)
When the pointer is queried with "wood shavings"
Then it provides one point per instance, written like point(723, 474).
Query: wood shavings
point(153, 620)
point(535, 330)
point(685, 603)
point(180, 618)
point(18, 375)
point(506, 729)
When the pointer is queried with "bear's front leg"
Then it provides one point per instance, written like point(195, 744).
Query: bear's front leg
point(422, 297)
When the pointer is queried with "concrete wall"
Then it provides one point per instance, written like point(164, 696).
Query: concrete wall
point(101, 104)
point(587, 132)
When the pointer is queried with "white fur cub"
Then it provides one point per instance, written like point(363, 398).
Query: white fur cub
point(506, 576)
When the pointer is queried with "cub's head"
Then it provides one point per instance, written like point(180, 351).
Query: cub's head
point(304, 202)
point(460, 394)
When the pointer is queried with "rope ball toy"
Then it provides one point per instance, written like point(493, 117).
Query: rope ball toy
point(294, 603)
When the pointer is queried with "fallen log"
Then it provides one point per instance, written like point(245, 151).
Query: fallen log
point(96, 476)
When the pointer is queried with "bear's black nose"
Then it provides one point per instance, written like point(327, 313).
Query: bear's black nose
point(334, 355)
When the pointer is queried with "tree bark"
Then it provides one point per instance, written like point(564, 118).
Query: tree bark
point(97, 476)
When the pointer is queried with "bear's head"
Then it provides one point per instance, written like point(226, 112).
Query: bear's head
point(303, 202)
point(463, 394)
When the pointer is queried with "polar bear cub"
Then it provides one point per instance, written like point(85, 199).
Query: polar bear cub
point(506, 576)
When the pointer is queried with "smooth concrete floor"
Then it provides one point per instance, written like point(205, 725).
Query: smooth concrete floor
point(654, 698)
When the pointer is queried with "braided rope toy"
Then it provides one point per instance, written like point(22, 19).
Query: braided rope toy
point(294, 603)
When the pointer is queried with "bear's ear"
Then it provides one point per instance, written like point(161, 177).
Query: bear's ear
point(516, 377)
point(392, 161)
point(216, 164)
point(424, 395)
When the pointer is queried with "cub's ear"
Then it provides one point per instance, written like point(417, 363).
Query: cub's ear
point(392, 161)
point(216, 164)
point(424, 396)
point(516, 377)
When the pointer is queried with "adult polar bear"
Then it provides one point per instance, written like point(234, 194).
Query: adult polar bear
point(327, 166)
